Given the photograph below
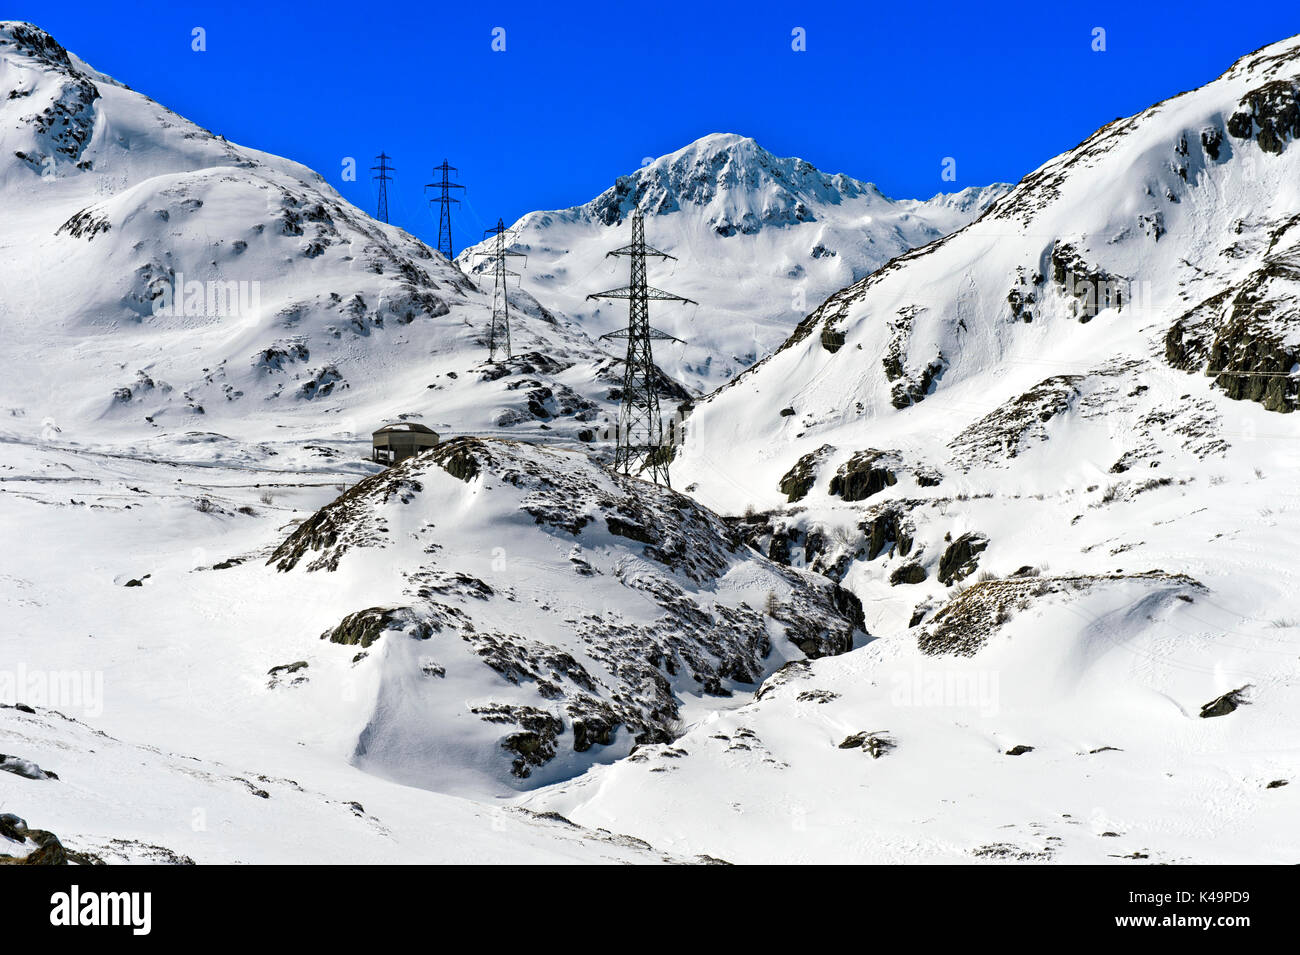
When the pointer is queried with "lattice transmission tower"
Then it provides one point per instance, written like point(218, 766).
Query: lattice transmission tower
point(444, 200)
point(383, 179)
point(641, 445)
point(499, 335)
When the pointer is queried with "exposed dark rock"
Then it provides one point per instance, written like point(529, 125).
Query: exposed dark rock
point(349, 521)
point(13, 827)
point(832, 339)
point(885, 527)
point(1271, 113)
point(285, 670)
point(45, 849)
point(1088, 288)
point(799, 480)
point(457, 458)
point(621, 671)
point(868, 472)
point(909, 573)
point(288, 667)
point(596, 726)
point(966, 622)
point(876, 744)
point(24, 767)
point(1254, 366)
point(534, 746)
point(1223, 705)
point(1242, 336)
point(1019, 750)
point(817, 696)
point(1211, 140)
point(364, 627)
point(908, 388)
point(961, 557)
point(631, 531)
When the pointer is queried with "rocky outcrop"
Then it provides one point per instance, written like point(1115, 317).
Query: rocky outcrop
point(874, 744)
point(799, 480)
point(25, 768)
point(1228, 703)
point(364, 627)
point(888, 527)
point(909, 573)
point(866, 473)
point(619, 589)
point(1270, 113)
point(1254, 366)
point(1088, 289)
point(1247, 337)
point(965, 623)
point(20, 845)
point(534, 744)
point(961, 558)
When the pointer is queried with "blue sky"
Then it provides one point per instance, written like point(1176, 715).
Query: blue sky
point(584, 91)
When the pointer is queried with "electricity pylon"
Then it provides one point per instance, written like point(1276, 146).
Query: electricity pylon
point(499, 336)
point(384, 179)
point(640, 428)
point(444, 200)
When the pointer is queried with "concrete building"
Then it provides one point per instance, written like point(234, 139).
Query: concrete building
point(397, 442)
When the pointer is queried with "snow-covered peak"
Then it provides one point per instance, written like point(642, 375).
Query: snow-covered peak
point(738, 184)
point(1267, 61)
point(31, 41)
point(759, 240)
point(28, 40)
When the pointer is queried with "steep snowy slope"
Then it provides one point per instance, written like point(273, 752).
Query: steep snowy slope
point(759, 240)
point(155, 278)
point(1053, 456)
point(1162, 239)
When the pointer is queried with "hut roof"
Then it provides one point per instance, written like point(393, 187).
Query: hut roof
point(405, 426)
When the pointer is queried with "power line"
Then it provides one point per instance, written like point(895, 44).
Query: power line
point(499, 334)
point(384, 179)
point(640, 426)
point(444, 201)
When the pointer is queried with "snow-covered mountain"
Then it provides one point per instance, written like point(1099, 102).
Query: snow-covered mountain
point(1054, 456)
point(758, 239)
point(199, 339)
point(159, 278)
point(980, 564)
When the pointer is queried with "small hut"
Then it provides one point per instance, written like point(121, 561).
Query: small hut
point(397, 442)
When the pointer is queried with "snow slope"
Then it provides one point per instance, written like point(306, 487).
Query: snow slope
point(758, 239)
point(1072, 548)
point(527, 614)
point(119, 802)
point(1070, 518)
point(157, 278)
